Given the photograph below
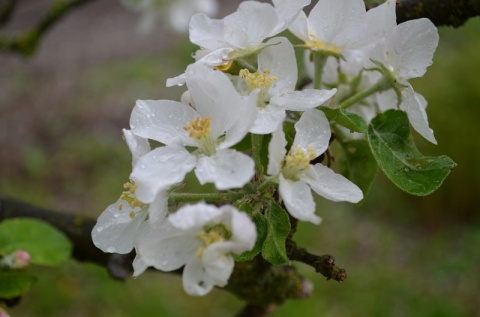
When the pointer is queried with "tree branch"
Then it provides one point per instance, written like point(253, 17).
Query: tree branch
point(259, 283)
point(27, 43)
point(6, 10)
point(441, 12)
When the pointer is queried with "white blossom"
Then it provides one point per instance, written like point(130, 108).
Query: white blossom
point(121, 226)
point(243, 31)
point(275, 79)
point(297, 177)
point(332, 25)
point(203, 238)
point(176, 12)
point(406, 52)
point(221, 118)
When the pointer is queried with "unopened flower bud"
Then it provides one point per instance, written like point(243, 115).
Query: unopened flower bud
point(19, 259)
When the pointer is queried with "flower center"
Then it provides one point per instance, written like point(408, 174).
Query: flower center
point(315, 45)
point(211, 234)
point(297, 161)
point(129, 196)
point(257, 80)
point(199, 129)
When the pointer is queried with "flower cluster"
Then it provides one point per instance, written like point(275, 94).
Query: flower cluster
point(244, 126)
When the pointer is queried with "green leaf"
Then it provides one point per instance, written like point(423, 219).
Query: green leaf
point(396, 154)
point(262, 228)
point(15, 283)
point(349, 120)
point(278, 223)
point(358, 164)
point(45, 244)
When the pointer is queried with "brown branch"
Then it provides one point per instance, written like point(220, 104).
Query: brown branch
point(441, 12)
point(323, 264)
point(259, 283)
point(6, 9)
point(27, 43)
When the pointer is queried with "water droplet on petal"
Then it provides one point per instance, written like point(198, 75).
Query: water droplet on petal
point(99, 229)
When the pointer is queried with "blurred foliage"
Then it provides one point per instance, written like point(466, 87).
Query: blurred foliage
point(404, 255)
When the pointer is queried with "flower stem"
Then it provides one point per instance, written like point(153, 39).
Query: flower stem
point(257, 142)
point(177, 198)
point(381, 85)
point(319, 60)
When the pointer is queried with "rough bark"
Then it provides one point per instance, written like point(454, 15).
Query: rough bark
point(441, 12)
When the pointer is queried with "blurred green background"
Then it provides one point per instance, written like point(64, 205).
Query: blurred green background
point(61, 115)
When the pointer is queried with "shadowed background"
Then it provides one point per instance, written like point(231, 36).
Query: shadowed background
point(61, 115)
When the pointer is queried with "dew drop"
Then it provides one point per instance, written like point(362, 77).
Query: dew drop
point(99, 229)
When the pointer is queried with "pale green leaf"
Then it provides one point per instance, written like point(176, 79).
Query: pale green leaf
point(45, 244)
point(274, 250)
point(396, 154)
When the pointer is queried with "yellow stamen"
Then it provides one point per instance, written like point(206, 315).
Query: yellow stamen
point(316, 45)
point(258, 80)
point(211, 234)
point(129, 196)
point(198, 128)
point(297, 161)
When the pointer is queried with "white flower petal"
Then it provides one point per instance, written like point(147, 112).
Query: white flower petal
point(227, 169)
point(158, 209)
point(380, 20)
point(245, 120)
point(176, 81)
point(412, 44)
point(302, 100)
point(415, 105)
point(332, 186)
point(214, 96)
point(268, 119)
point(287, 12)
point(206, 32)
point(339, 23)
point(298, 199)
point(279, 59)
point(160, 169)
point(218, 262)
point(166, 248)
point(116, 231)
point(244, 233)
point(139, 266)
point(195, 280)
point(194, 217)
point(313, 130)
point(163, 121)
point(276, 152)
point(137, 145)
point(386, 100)
point(299, 27)
point(250, 24)
point(216, 58)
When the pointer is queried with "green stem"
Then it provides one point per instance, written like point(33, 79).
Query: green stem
point(381, 85)
point(319, 60)
point(177, 198)
point(265, 185)
point(257, 142)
